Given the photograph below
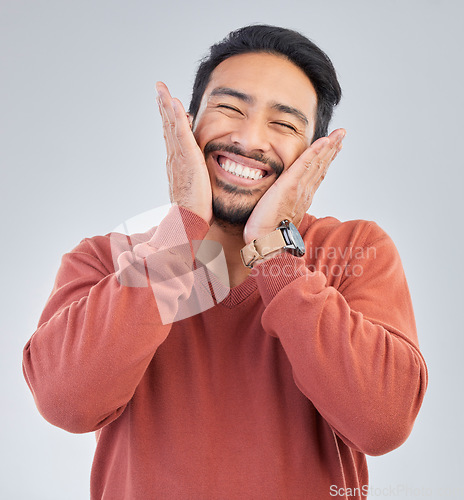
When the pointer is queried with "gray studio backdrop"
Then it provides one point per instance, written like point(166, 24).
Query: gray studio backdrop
point(82, 151)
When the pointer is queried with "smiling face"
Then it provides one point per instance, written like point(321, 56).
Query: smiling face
point(256, 117)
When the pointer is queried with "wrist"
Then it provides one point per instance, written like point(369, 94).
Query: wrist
point(203, 214)
point(284, 238)
point(269, 256)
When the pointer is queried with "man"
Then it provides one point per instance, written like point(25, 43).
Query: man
point(279, 386)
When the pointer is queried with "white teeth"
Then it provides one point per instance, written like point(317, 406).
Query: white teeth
point(240, 171)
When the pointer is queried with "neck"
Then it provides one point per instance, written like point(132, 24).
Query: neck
point(231, 238)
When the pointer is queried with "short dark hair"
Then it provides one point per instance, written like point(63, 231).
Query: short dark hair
point(279, 41)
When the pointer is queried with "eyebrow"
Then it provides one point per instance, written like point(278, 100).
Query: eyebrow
point(233, 93)
point(283, 108)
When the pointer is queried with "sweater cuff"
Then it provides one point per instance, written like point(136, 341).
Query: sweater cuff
point(180, 226)
point(274, 274)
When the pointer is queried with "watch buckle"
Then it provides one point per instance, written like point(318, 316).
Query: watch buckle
point(254, 257)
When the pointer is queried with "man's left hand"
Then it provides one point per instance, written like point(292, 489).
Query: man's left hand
point(292, 193)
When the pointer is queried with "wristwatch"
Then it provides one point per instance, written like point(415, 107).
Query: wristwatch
point(285, 236)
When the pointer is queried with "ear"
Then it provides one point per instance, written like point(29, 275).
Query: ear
point(190, 119)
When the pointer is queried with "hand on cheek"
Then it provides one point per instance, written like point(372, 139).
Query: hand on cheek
point(188, 176)
point(291, 195)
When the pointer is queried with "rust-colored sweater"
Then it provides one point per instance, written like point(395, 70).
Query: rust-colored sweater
point(277, 392)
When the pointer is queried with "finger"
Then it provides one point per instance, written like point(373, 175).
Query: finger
point(164, 118)
point(168, 137)
point(308, 157)
point(330, 155)
point(167, 134)
point(184, 137)
point(165, 102)
point(168, 140)
point(317, 162)
point(311, 160)
point(334, 141)
point(162, 100)
point(336, 138)
point(178, 130)
point(311, 167)
point(328, 159)
point(169, 118)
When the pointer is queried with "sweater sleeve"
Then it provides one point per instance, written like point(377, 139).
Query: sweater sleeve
point(102, 322)
point(353, 345)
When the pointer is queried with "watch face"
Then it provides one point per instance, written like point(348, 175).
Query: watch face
point(294, 241)
point(297, 240)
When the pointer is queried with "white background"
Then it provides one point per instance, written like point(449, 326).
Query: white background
point(82, 150)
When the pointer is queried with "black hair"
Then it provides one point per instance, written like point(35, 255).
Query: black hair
point(279, 41)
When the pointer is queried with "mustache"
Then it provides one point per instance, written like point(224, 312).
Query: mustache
point(211, 147)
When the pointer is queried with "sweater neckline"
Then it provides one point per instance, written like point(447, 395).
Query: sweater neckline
point(235, 295)
point(240, 292)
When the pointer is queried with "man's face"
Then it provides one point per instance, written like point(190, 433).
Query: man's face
point(256, 117)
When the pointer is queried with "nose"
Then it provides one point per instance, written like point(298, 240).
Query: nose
point(251, 134)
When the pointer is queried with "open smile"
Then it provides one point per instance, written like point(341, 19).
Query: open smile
point(244, 170)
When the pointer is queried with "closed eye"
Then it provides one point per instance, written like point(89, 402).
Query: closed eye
point(225, 106)
point(287, 125)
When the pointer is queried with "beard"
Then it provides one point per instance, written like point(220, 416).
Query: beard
point(235, 208)
point(233, 214)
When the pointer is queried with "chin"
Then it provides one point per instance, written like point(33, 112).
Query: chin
point(235, 216)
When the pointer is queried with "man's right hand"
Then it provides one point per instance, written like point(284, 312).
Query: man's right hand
point(189, 181)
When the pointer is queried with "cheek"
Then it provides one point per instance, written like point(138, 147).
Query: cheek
point(211, 129)
point(291, 151)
